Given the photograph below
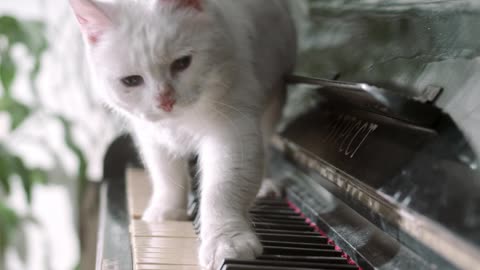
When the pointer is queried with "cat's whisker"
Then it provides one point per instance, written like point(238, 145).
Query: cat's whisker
point(234, 109)
point(178, 185)
point(243, 114)
point(231, 107)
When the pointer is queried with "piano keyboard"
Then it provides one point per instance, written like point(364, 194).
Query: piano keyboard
point(290, 241)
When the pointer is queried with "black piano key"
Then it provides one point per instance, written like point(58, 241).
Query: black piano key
point(311, 259)
point(283, 227)
point(313, 239)
point(256, 267)
point(279, 221)
point(296, 244)
point(275, 203)
point(295, 217)
point(307, 265)
point(304, 233)
point(271, 250)
point(273, 226)
point(278, 212)
point(272, 208)
point(270, 199)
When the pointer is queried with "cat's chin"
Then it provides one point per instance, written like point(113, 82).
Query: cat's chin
point(178, 111)
point(155, 117)
point(158, 116)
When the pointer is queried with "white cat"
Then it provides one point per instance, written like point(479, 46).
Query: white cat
point(196, 76)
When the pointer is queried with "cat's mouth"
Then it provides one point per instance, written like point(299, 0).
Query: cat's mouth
point(161, 112)
point(167, 104)
point(166, 101)
point(166, 109)
point(154, 116)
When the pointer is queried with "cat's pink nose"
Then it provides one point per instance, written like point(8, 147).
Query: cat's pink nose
point(165, 99)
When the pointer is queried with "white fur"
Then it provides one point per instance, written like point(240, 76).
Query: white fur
point(229, 96)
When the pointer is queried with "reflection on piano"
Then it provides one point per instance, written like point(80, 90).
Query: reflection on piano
point(372, 180)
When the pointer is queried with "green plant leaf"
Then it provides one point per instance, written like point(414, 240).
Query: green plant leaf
point(25, 32)
point(34, 37)
point(77, 151)
point(7, 72)
point(29, 33)
point(25, 176)
point(5, 173)
point(5, 169)
point(33, 76)
point(18, 111)
point(9, 221)
point(11, 165)
point(11, 29)
point(5, 177)
point(39, 176)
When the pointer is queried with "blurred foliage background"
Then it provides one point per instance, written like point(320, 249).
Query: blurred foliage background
point(53, 136)
point(30, 35)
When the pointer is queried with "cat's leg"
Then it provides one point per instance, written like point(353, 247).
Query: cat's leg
point(271, 117)
point(170, 183)
point(232, 166)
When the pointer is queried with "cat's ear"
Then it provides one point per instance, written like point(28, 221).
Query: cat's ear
point(196, 4)
point(93, 21)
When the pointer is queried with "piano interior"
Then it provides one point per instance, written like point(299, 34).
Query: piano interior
point(371, 180)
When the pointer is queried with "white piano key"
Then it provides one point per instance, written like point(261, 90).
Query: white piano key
point(166, 267)
point(164, 229)
point(163, 242)
point(168, 259)
point(165, 245)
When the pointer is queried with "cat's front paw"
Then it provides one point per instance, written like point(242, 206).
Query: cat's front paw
point(159, 214)
point(233, 245)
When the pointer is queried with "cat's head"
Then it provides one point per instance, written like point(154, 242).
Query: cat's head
point(151, 58)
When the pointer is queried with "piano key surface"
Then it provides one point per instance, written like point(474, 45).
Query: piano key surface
point(289, 241)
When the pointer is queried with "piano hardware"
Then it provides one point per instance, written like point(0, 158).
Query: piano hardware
point(390, 179)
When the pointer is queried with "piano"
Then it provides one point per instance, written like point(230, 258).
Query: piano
point(371, 180)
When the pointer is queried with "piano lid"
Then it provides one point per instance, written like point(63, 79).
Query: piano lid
point(395, 159)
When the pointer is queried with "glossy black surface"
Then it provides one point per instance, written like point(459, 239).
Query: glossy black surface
point(365, 243)
point(428, 168)
point(387, 165)
point(113, 248)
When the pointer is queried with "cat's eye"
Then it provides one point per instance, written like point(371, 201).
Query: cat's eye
point(181, 64)
point(132, 81)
